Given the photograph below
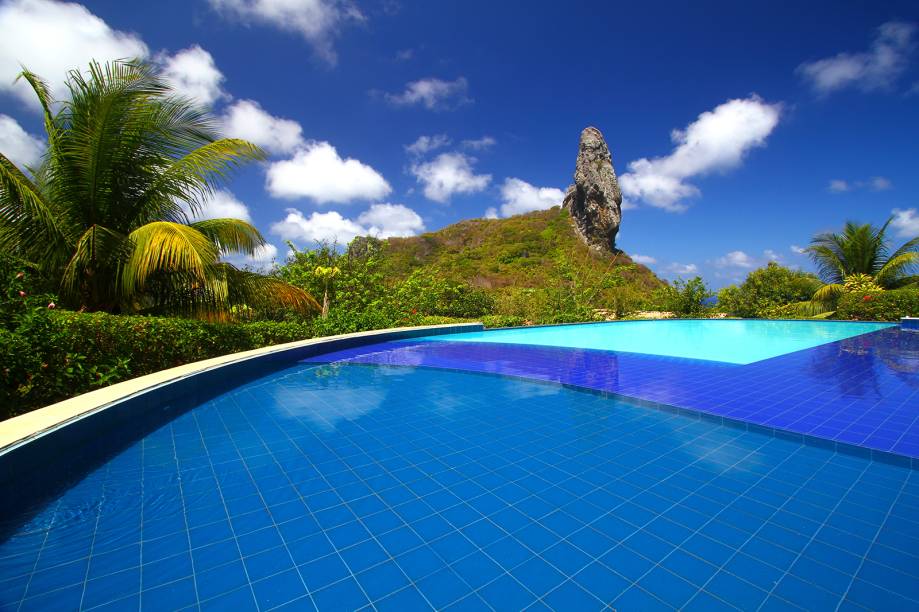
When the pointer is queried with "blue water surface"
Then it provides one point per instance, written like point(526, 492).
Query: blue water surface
point(731, 341)
point(337, 486)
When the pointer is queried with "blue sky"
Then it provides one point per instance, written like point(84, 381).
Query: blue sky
point(738, 131)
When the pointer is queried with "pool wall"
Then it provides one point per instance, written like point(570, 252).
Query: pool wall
point(80, 431)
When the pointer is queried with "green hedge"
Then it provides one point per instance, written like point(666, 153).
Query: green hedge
point(879, 306)
point(53, 355)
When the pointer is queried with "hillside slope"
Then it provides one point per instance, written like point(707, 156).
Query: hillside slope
point(532, 250)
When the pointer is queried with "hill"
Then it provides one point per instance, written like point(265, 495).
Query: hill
point(534, 250)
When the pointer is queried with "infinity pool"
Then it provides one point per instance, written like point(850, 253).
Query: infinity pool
point(418, 475)
point(731, 341)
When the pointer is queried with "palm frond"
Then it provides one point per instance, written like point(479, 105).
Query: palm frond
point(198, 173)
point(40, 87)
point(231, 235)
point(260, 291)
point(829, 293)
point(29, 223)
point(166, 247)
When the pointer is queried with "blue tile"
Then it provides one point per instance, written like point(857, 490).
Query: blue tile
point(408, 599)
point(278, 589)
point(477, 569)
point(173, 596)
point(381, 580)
point(602, 582)
point(505, 593)
point(538, 576)
point(324, 571)
point(442, 587)
point(343, 595)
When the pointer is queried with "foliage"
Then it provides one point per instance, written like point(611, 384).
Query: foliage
point(863, 249)
point(683, 298)
point(858, 259)
point(51, 355)
point(765, 290)
point(109, 213)
point(879, 305)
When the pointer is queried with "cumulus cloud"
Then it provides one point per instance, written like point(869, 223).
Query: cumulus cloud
point(50, 38)
point(390, 220)
point(877, 68)
point(518, 197)
point(22, 148)
point(380, 220)
point(717, 140)
point(490, 213)
point(449, 174)
point(797, 250)
point(875, 183)
point(193, 73)
point(735, 259)
point(247, 120)
point(905, 222)
point(317, 21)
point(222, 205)
point(480, 144)
point(432, 94)
point(646, 260)
point(426, 144)
point(317, 171)
point(681, 268)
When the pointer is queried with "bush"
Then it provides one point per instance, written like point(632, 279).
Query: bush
point(51, 355)
point(683, 298)
point(879, 305)
point(766, 290)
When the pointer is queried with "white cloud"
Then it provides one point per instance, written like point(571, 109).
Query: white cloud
point(797, 250)
point(906, 222)
point(50, 38)
point(518, 197)
point(880, 183)
point(193, 73)
point(222, 205)
point(717, 140)
point(646, 260)
point(22, 148)
point(491, 213)
point(426, 144)
point(735, 259)
point(448, 174)
point(380, 220)
point(772, 255)
point(877, 68)
point(318, 172)
point(480, 144)
point(433, 94)
point(247, 120)
point(390, 220)
point(317, 21)
point(680, 268)
point(875, 183)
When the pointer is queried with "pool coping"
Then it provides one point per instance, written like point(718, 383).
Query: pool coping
point(22, 429)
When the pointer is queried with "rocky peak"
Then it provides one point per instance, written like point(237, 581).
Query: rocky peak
point(594, 201)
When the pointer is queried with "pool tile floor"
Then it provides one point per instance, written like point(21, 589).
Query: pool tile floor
point(861, 391)
point(351, 486)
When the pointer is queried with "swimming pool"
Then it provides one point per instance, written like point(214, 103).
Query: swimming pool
point(337, 484)
point(731, 341)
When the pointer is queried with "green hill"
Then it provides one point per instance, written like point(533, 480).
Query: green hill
point(534, 266)
point(532, 250)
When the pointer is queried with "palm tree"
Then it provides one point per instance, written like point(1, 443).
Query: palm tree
point(859, 259)
point(109, 212)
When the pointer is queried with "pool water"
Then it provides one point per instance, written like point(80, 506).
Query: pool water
point(731, 341)
point(338, 486)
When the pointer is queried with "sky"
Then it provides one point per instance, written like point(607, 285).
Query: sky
point(737, 130)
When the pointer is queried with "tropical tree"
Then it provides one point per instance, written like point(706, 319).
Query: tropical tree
point(859, 259)
point(111, 211)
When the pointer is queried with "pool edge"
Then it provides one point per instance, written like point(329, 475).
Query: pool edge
point(24, 428)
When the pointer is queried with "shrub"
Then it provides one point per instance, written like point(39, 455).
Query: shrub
point(683, 298)
point(51, 355)
point(879, 305)
point(766, 290)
